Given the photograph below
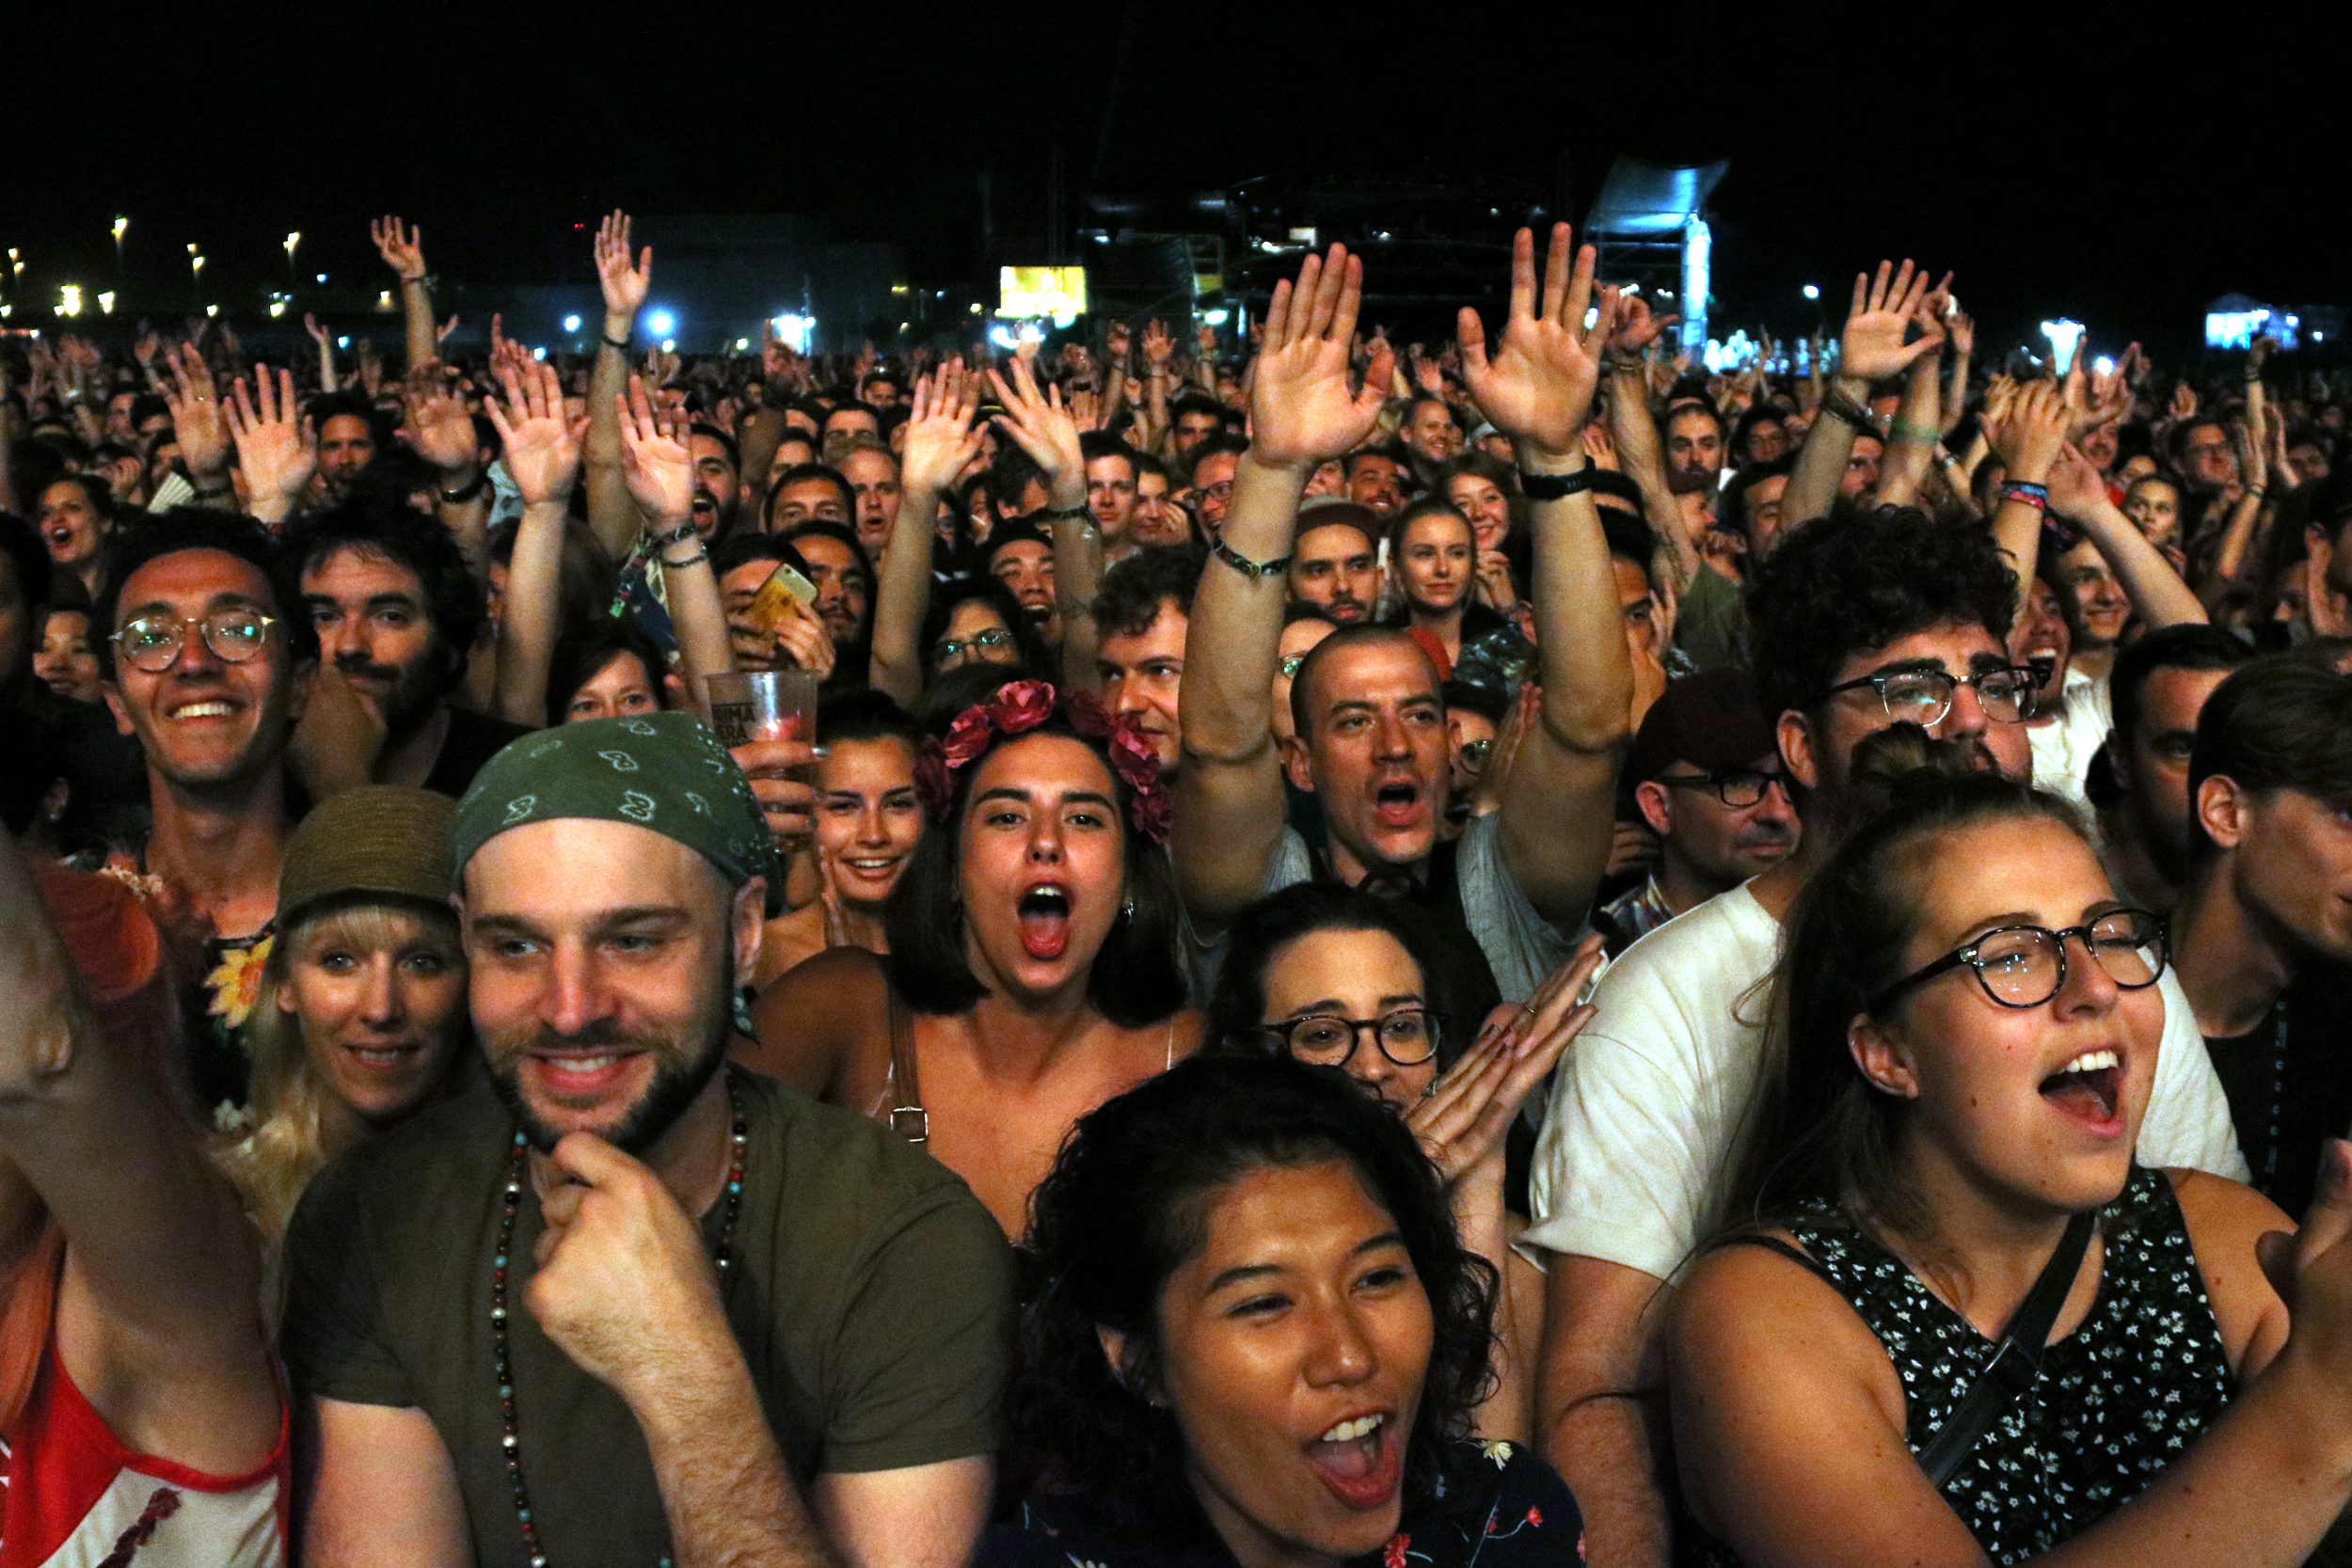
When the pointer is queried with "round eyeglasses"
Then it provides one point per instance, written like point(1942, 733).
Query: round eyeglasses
point(949, 650)
point(1923, 697)
point(153, 643)
point(2023, 966)
point(1407, 1037)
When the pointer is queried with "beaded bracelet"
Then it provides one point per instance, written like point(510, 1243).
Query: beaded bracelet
point(2026, 493)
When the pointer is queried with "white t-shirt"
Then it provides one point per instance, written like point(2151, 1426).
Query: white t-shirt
point(1645, 1109)
point(2061, 750)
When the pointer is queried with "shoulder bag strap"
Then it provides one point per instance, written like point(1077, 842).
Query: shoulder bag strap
point(2015, 1365)
point(907, 1116)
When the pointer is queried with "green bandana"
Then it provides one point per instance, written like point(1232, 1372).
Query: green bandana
point(659, 770)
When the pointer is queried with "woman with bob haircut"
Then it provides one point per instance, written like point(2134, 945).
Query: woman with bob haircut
point(1332, 975)
point(1940, 1173)
point(1258, 1340)
point(361, 1020)
point(1032, 970)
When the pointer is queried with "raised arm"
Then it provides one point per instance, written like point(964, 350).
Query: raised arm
point(611, 515)
point(1634, 432)
point(941, 440)
point(403, 252)
point(1556, 815)
point(158, 1308)
point(1302, 412)
point(1911, 444)
point(660, 472)
point(543, 456)
point(2079, 494)
point(1871, 346)
point(1046, 432)
point(2028, 439)
point(440, 428)
point(197, 424)
point(326, 349)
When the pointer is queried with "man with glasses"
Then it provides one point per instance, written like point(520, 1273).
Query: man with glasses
point(1856, 622)
point(2262, 932)
point(206, 643)
point(1706, 778)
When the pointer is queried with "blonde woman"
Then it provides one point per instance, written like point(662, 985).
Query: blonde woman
point(360, 1021)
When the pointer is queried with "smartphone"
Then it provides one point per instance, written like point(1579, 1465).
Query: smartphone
point(770, 606)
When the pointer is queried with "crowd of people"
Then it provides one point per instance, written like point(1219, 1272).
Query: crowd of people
point(1507, 952)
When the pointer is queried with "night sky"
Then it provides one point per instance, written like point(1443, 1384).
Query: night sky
point(2116, 171)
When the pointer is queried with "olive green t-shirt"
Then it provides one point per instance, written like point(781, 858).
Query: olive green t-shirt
point(872, 1297)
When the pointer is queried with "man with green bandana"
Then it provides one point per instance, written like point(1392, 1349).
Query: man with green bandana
point(625, 1303)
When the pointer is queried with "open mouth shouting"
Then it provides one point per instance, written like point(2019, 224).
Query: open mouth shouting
point(1044, 911)
point(1396, 803)
point(2089, 1091)
point(1359, 1460)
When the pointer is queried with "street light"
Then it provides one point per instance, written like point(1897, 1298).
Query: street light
point(1812, 291)
point(292, 240)
point(120, 224)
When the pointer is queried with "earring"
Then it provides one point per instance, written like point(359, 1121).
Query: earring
point(744, 1024)
point(1127, 909)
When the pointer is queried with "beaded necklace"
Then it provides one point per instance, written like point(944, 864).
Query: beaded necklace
point(510, 1436)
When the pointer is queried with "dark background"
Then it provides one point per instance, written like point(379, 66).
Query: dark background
point(2122, 168)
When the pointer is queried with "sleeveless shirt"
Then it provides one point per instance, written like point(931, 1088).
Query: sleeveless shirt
point(2118, 1399)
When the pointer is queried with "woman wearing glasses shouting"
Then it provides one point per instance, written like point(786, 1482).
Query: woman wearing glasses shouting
point(1339, 977)
point(1952, 1321)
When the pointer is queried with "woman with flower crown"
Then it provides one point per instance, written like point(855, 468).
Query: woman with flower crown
point(1032, 972)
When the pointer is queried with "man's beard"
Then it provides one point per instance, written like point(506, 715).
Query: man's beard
point(675, 1085)
point(409, 697)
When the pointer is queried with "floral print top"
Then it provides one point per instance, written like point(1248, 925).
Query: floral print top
point(1497, 1505)
point(2118, 1399)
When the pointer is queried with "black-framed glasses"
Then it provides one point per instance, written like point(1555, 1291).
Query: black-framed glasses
point(949, 650)
point(153, 643)
point(1407, 1037)
point(1737, 787)
point(2023, 966)
point(1923, 697)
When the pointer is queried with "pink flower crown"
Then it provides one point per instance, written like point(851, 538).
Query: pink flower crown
point(1019, 706)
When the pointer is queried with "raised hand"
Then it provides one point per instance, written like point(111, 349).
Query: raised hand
point(1538, 388)
point(402, 252)
point(1884, 308)
point(319, 335)
point(1116, 347)
point(654, 458)
point(2183, 403)
point(1300, 408)
point(2029, 438)
point(1426, 375)
point(1041, 425)
point(541, 446)
point(275, 447)
point(940, 439)
point(1206, 337)
point(624, 285)
point(196, 417)
point(2075, 483)
point(1157, 345)
point(1637, 328)
point(439, 426)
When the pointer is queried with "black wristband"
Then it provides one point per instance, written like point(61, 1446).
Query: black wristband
point(459, 497)
point(1253, 570)
point(1846, 412)
point(610, 342)
point(1554, 487)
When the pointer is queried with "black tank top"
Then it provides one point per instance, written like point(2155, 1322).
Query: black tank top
point(2118, 1399)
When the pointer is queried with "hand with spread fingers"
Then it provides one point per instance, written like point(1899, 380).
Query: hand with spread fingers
point(1462, 1124)
point(541, 446)
point(1537, 388)
point(276, 446)
point(1884, 307)
point(1301, 407)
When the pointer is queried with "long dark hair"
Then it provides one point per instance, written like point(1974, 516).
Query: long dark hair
point(1273, 923)
point(1129, 1201)
point(1820, 1132)
point(1135, 979)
